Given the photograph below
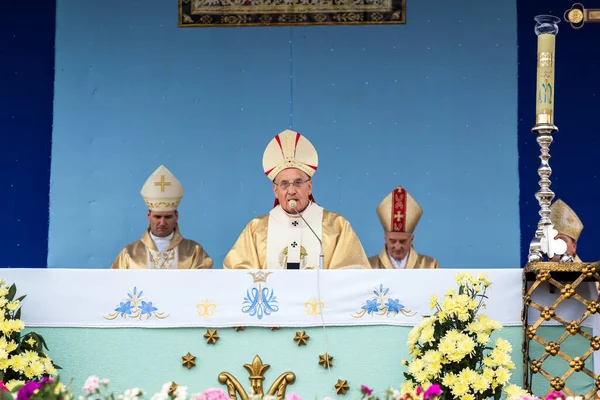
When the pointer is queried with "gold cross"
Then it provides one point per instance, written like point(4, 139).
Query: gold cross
point(162, 183)
point(398, 216)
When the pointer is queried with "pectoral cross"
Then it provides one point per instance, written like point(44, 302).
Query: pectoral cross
point(162, 183)
point(577, 15)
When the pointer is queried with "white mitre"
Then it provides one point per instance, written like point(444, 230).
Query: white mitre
point(162, 191)
point(289, 149)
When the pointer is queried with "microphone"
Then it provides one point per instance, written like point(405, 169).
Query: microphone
point(293, 204)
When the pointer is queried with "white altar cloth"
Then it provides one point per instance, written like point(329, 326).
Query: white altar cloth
point(229, 298)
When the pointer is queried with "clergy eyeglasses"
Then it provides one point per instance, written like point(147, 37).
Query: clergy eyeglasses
point(284, 185)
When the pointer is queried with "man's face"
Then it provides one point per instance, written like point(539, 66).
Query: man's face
point(571, 246)
point(162, 223)
point(286, 188)
point(398, 244)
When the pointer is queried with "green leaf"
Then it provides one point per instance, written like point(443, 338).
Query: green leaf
point(11, 292)
point(18, 314)
point(497, 394)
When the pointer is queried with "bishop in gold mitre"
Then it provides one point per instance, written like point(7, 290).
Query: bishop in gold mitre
point(162, 246)
point(399, 215)
point(283, 240)
point(568, 225)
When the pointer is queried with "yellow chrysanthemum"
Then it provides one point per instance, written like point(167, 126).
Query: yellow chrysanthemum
point(467, 375)
point(36, 368)
point(427, 334)
point(481, 383)
point(31, 356)
point(483, 338)
point(10, 385)
point(449, 379)
point(460, 388)
point(406, 387)
point(502, 375)
point(11, 346)
point(48, 366)
point(488, 373)
point(503, 345)
point(415, 366)
point(433, 301)
point(514, 392)
point(18, 363)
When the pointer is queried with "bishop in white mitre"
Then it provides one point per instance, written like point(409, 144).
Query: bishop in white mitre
point(282, 239)
point(162, 246)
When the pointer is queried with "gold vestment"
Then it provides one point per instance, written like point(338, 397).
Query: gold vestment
point(414, 261)
point(341, 246)
point(138, 255)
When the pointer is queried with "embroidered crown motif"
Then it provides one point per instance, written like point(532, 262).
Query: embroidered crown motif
point(260, 276)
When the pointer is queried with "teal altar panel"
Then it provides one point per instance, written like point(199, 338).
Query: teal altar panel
point(91, 329)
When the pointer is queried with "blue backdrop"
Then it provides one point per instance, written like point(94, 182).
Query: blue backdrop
point(26, 95)
point(430, 105)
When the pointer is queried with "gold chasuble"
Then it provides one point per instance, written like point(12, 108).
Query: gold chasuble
point(271, 241)
point(414, 261)
point(180, 254)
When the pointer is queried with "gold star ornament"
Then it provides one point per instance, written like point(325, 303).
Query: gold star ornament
point(325, 360)
point(301, 338)
point(211, 336)
point(189, 361)
point(238, 328)
point(173, 388)
point(341, 387)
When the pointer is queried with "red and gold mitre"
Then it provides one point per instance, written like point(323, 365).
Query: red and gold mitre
point(399, 212)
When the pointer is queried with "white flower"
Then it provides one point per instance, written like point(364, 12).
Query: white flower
point(181, 393)
point(131, 394)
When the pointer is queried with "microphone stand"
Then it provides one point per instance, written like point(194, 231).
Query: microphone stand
point(292, 204)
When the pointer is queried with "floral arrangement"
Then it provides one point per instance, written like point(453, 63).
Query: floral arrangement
point(95, 388)
point(432, 392)
point(453, 347)
point(22, 357)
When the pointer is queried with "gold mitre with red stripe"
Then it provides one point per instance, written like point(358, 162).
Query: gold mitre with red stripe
point(565, 220)
point(162, 191)
point(289, 149)
point(399, 212)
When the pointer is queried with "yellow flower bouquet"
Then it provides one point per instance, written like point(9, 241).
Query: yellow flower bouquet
point(453, 347)
point(22, 357)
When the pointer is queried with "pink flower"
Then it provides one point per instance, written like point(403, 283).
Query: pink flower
point(293, 396)
point(432, 392)
point(366, 390)
point(214, 394)
point(556, 395)
point(91, 384)
point(3, 387)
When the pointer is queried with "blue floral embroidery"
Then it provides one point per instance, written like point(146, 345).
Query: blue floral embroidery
point(382, 303)
point(135, 307)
